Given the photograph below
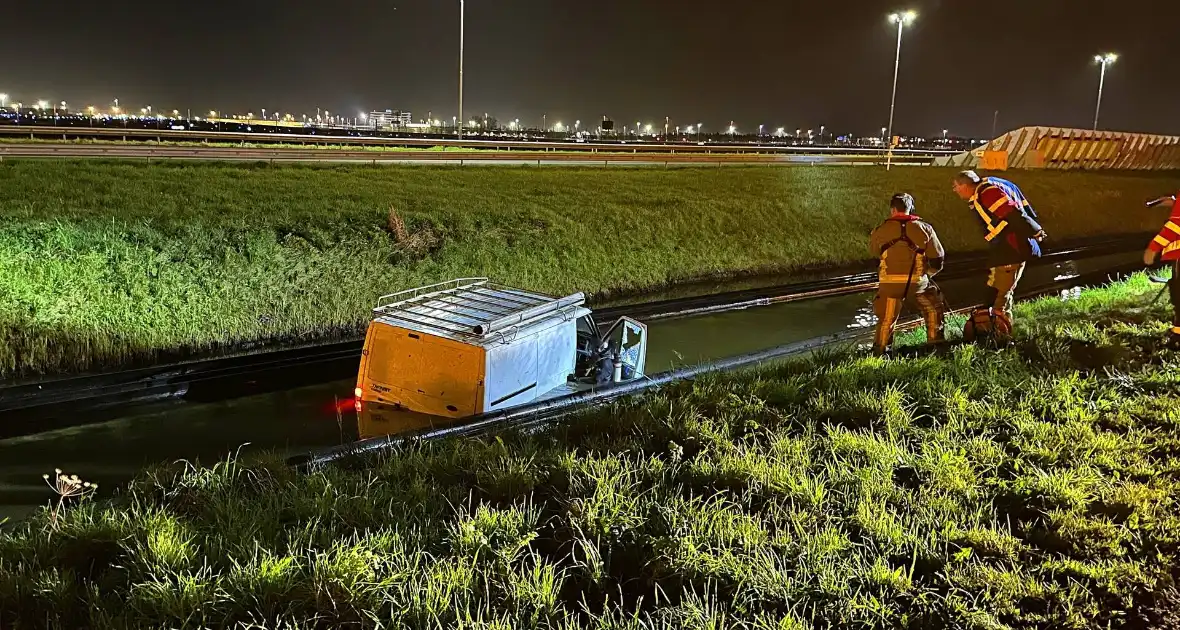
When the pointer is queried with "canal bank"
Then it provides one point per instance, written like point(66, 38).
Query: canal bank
point(110, 266)
point(1036, 477)
point(206, 427)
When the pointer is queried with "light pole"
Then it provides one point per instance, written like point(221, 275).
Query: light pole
point(902, 20)
point(1103, 60)
point(462, 29)
point(944, 136)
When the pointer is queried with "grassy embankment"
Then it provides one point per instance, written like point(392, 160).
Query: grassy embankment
point(108, 264)
point(1032, 487)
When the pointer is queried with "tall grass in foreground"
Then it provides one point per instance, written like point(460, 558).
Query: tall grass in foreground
point(1030, 487)
point(108, 264)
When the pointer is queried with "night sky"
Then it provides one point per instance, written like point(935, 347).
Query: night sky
point(782, 63)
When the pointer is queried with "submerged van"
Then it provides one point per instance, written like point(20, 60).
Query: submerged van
point(468, 347)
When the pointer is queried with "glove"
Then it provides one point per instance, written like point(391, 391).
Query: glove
point(1150, 256)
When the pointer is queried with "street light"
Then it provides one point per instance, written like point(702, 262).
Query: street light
point(1103, 60)
point(944, 136)
point(462, 26)
point(3, 99)
point(902, 20)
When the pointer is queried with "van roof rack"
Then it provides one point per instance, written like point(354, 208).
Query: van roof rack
point(469, 308)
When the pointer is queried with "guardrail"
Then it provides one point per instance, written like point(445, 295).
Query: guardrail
point(35, 132)
point(459, 158)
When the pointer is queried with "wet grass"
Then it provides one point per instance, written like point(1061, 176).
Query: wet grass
point(106, 265)
point(1031, 487)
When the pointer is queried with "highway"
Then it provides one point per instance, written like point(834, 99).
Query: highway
point(457, 157)
point(99, 135)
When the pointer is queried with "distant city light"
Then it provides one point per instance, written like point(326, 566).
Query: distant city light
point(42, 104)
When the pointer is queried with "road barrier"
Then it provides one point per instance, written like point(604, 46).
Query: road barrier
point(133, 135)
point(458, 158)
point(1070, 149)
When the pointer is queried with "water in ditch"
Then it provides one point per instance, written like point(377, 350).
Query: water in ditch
point(297, 420)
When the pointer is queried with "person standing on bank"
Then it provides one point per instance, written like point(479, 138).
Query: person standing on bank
point(910, 256)
point(1166, 247)
point(1014, 238)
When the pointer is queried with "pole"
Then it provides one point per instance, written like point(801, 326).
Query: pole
point(995, 119)
point(893, 101)
point(462, 17)
point(1101, 83)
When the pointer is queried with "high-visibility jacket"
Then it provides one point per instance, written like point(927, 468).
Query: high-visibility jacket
point(909, 250)
point(1014, 193)
point(1167, 242)
point(1011, 232)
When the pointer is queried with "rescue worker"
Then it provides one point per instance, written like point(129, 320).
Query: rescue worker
point(1166, 247)
point(1014, 238)
point(910, 256)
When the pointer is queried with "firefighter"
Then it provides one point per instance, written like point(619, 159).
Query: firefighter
point(1166, 247)
point(910, 256)
point(1014, 238)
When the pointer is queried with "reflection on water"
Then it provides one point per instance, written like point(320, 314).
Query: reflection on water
point(322, 415)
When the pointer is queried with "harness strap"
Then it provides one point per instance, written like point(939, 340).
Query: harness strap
point(918, 251)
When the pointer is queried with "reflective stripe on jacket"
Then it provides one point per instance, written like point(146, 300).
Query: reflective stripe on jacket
point(906, 247)
point(1167, 242)
point(1009, 229)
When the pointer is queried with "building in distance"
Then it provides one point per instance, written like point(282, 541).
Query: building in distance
point(389, 119)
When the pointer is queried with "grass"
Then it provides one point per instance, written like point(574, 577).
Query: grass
point(1030, 487)
point(104, 265)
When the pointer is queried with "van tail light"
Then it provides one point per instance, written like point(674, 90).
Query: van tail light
point(359, 392)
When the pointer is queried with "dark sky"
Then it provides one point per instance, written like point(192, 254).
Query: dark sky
point(788, 63)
